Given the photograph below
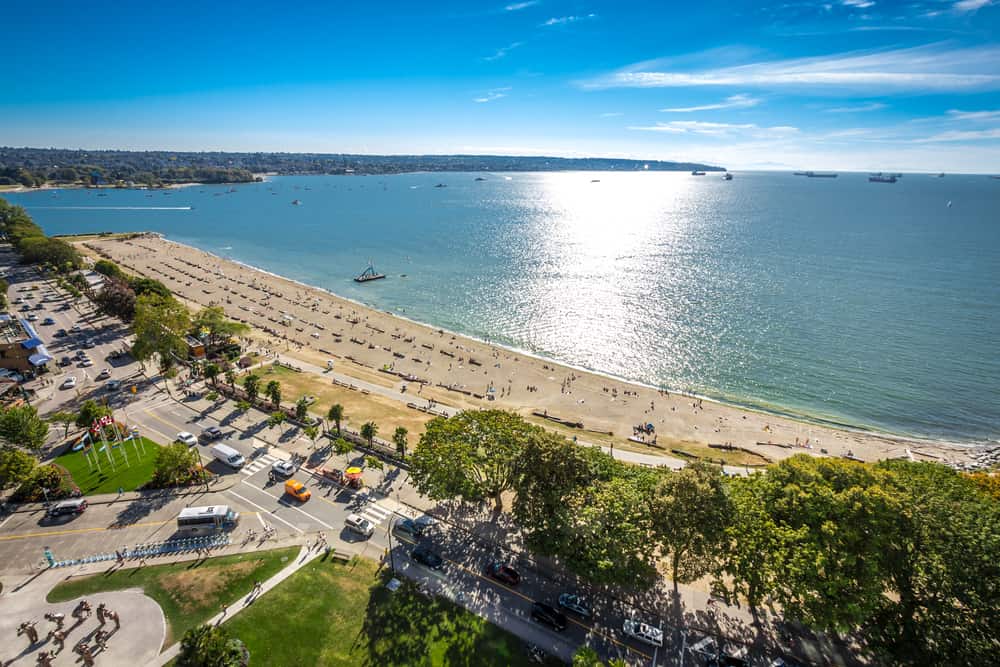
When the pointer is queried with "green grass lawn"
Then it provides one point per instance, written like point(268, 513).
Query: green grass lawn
point(331, 613)
point(130, 476)
point(189, 593)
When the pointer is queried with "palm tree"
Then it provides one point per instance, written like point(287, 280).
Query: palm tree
point(336, 414)
point(211, 372)
point(312, 433)
point(301, 409)
point(399, 437)
point(368, 431)
point(276, 419)
point(251, 384)
point(231, 378)
point(273, 391)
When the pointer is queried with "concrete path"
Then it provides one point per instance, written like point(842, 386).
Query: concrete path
point(306, 555)
point(137, 642)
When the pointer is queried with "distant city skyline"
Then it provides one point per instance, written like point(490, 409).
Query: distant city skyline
point(843, 85)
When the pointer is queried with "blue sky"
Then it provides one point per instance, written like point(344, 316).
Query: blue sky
point(842, 84)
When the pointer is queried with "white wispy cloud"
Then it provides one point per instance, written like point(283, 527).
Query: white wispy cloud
point(717, 129)
point(731, 102)
point(964, 6)
point(563, 20)
point(859, 4)
point(959, 135)
point(518, 6)
point(503, 51)
point(958, 114)
point(932, 68)
point(491, 95)
point(612, 114)
point(859, 108)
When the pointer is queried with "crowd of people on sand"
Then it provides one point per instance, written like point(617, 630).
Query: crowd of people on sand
point(59, 633)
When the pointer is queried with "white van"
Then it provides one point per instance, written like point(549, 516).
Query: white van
point(228, 455)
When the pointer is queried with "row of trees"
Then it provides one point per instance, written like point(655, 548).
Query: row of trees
point(84, 174)
point(32, 244)
point(905, 554)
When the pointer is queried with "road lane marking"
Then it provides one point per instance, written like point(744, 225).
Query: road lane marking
point(263, 524)
point(83, 530)
point(281, 501)
point(271, 512)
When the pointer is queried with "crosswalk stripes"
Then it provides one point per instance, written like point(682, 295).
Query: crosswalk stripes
point(262, 461)
point(375, 513)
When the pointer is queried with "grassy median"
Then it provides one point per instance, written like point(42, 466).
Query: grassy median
point(128, 469)
point(188, 592)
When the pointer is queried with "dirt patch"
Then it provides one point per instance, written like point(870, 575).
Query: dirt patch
point(194, 589)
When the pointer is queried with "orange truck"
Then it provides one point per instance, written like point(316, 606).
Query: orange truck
point(297, 490)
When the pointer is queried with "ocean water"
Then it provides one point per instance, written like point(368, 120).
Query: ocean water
point(866, 304)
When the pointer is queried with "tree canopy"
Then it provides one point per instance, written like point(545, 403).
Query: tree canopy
point(159, 326)
point(20, 426)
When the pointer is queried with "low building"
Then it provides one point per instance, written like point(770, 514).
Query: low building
point(196, 348)
point(21, 348)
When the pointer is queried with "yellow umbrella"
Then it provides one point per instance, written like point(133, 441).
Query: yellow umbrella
point(353, 470)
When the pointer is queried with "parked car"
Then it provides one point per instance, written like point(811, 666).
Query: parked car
point(86, 363)
point(26, 307)
point(211, 434)
point(65, 306)
point(283, 468)
point(297, 490)
point(39, 306)
point(548, 615)
point(48, 321)
point(65, 361)
point(75, 328)
point(575, 604)
point(89, 343)
point(32, 317)
point(61, 333)
point(187, 438)
point(69, 382)
point(104, 374)
point(74, 507)
point(360, 525)
point(505, 574)
point(113, 385)
point(425, 556)
point(643, 632)
point(407, 527)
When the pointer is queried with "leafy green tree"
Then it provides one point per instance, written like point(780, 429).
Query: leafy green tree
point(251, 384)
point(175, 465)
point(552, 471)
point(20, 426)
point(374, 462)
point(273, 391)
point(276, 419)
point(942, 570)
point(471, 455)
point(148, 286)
point(212, 371)
point(336, 415)
point(211, 646)
point(110, 269)
point(399, 439)
point(610, 531)
point(212, 323)
point(160, 325)
point(587, 657)
point(231, 378)
point(368, 431)
point(342, 446)
point(65, 418)
point(311, 432)
point(89, 411)
point(243, 406)
point(690, 513)
point(301, 409)
point(16, 466)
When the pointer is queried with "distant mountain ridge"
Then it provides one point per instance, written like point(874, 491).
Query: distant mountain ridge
point(55, 164)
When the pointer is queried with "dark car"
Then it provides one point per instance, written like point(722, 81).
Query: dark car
point(67, 507)
point(65, 361)
point(65, 306)
point(48, 321)
point(408, 527)
point(61, 333)
point(548, 615)
point(211, 433)
point(503, 573)
point(575, 604)
point(425, 556)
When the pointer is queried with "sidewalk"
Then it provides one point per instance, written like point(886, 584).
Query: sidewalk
point(216, 485)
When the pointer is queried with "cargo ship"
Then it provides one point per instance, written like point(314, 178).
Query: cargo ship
point(882, 178)
point(817, 174)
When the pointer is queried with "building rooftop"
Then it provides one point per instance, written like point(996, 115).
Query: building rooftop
point(12, 330)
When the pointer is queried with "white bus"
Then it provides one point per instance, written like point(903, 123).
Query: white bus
point(207, 519)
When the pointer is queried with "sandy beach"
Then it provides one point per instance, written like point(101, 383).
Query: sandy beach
point(314, 325)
